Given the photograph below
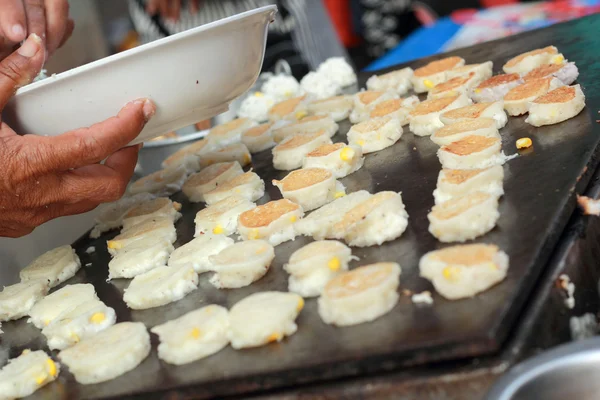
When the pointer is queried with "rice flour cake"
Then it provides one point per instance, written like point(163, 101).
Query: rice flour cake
point(220, 218)
point(262, 318)
point(426, 77)
point(109, 354)
point(337, 107)
point(310, 187)
point(339, 158)
point(111, 215)
point(47, 309)
point(425, 117)
point(518, 100)
point(54, 266)
point(338, 70)
point(188, 157)
point(233, 152)
point(395, 108)
point(315, 123)
point(494, 110)
point(160, 207)
point(230, 132)
point(241, 264)
point(158, 228)
point(464, 218)
point(375, 134)
point(524, 63)
point(485, 127)
point(319, 86)
point(365, 101)
point(556, 106)
point(290, 153)
point(566, 72)
point(17, 300)
point(209, 178)
point(281, 87)
point(399, 81)
point(196, 253)
point(193, 336)
point(259, 138)
point(361, 295)
point(453, 183)
point(462, 271)
point(247, 185)
point(315, 264)
point(495, 88)
point(480, 72)
point(273, 222)
point(292, 110)
point(472, 152)
point(140, 257)
point(25, 374)
point(160, 183)
point(454, 86)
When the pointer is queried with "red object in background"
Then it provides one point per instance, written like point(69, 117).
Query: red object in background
point(493, 3)
point(464, 15)
point(339, 12)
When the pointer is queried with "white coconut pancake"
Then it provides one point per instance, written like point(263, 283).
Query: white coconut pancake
point(320, 222)
point(193, 336)
point(189, 156)
point(455, 182)
point(292, 110)
point(273, 222)
point(196, 253)
point(140, 257)
point(230, 132)
point(54, 266)
point(485, 127)
point(361, 295)
point(425, 117)
point(472, 152)
point(378, 219)
point(375, 134)
point(463, 271)
point(454, 86)
point(566, 72)
point(395, 108)
point(338, 70)
point(234, 152)
point(25, 374)
point(241, 264)
point(160, 207)
point(256, 106)
point(319, 86)
point(221, 217)
point(17, 300)
point(518, 100)
point(259, 138)
point(310, 187)
point(481, 72)
point(426, 77)
point(494, 110)
point(247, 185)
point(290, 153)
point(281, 87)
point(109, 354)
point(556, 106)
point(263, 318)
point(524, 63)
point(159, 228)
point(315, 264)
point(47, 309)
point(111, 215)
point(160, 183)
point(495, 88)
point(209, 178)
point(398, 81)
point(339, 158)
point(338, 107)
point(365, 101)
point(315, 123)
point(464, 218)
point(78, 323)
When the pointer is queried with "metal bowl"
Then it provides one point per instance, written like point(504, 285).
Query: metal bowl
point(568, 372)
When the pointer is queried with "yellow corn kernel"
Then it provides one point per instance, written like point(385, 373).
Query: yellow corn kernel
point(360, 142)
point(428, 84)
point(218, 230)
point(52, 370)
point(259, 94)
point(300, 305)
point(237, 191)
point(347, 154)
point(97, 318)
point(288, 93)
point(301, 114)
point(190, 274)
point(253, 235)
point(261, 250)
point(75, 337)
point(334, 264)
point(26, 351)
point(337, 195)
point(177, 206)
point(196, 333)
point(275, 337)
point(247, 159)
point(524, 143)
point(559, 59)
point(293, 219)
point(47, 322)
point(477, 90)
point(492, 266)
point(41, 379)
point(379, 136)
point(114, 245)
point(451, 273)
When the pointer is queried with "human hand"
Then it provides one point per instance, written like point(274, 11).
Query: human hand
point(47, 177)
point(49, 19)
point(169, 9)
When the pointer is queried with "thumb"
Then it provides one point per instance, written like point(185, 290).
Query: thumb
point(20, 68)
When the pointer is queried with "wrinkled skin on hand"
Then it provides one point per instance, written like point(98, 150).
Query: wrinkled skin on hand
point(42, 178)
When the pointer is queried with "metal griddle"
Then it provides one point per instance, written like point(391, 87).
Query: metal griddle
point(539, 200)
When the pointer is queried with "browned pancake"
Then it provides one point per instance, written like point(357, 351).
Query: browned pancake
point(431, 106)
point(466, 125)
point(533, 88)
point(458, 176)
point(514, 61)
point(498, 80)
point(237, 181)
point(298, 140)
point(325, 149)
point(285, 107)
point(148, 207)
point(144, 228)
point(228, 127)
point(473, 111)
point(435, 67)
point(262, 216)
point(157, 176)
point(467, 254)
point(371, 125)
point(458, 205)
point(470, 145)
point(451, 84)
point(368, 96)
point(217, 209)
point(465, 68)
point(543, 71)
point(563, 94)
point(186, 151)
point(208, 174)
point(359, 279)
point(303, 178)
point(386, 107)
point(360, 211)
point(257, 130)
point(231, 147)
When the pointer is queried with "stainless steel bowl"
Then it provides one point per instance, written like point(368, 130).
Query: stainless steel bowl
point(568, 372)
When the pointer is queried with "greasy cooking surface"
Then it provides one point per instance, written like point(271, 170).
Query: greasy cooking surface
point(539, 200)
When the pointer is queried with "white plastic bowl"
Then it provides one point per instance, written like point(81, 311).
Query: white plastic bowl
point(191, 76)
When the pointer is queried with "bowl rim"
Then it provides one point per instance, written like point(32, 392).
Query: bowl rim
point(147, 46)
